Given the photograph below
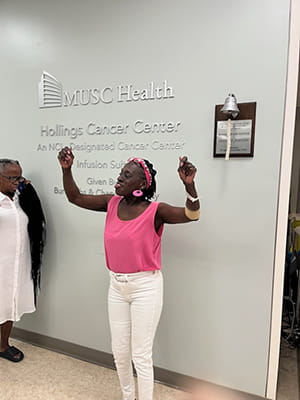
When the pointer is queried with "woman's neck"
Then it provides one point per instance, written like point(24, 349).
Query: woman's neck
point(133, 201)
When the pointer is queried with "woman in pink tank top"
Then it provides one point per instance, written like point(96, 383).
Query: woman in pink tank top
point(132, 239)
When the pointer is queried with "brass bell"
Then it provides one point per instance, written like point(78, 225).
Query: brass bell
point(230, 106)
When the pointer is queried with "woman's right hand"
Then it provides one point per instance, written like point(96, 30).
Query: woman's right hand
point(65, 157)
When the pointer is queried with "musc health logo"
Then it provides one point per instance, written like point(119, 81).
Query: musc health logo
point(51, 94)
point(50, 91)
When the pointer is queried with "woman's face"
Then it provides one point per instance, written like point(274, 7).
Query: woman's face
point(9, 179)
point(131, 178)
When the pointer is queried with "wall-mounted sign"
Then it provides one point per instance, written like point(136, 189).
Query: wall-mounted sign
point(51, 93)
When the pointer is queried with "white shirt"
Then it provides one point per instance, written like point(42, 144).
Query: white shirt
point(16, 285)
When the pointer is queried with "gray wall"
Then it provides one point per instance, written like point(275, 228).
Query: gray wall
point(218, 272)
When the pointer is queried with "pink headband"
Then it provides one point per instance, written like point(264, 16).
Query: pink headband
point(142, 163)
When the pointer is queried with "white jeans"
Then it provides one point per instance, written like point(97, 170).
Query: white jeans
point(134, 308)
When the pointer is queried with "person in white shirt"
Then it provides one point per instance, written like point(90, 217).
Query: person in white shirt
point(20, 216)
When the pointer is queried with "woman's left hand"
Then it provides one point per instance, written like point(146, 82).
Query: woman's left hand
point(186, 170)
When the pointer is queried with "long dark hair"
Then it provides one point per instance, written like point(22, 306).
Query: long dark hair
point(150, 191)
point(31, 205)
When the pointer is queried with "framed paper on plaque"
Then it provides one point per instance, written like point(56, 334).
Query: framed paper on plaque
point(242, 131)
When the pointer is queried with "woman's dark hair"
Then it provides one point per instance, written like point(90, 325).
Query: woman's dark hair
point(150, 192)
point(31, 205)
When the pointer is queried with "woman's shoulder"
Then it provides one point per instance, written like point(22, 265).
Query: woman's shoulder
point(164, 208)
point(113, 202)
point(115, 199)
point(154, 205)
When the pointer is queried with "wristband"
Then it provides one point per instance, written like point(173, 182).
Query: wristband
point(191, 198)
point(193, 215)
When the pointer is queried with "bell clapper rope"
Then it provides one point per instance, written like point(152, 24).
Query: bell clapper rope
point(228, 139)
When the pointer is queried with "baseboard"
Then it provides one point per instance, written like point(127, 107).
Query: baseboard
point(64, 347)
point(169, 378)
point(166, 377)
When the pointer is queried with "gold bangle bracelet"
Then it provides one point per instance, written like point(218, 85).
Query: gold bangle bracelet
point(193, 215)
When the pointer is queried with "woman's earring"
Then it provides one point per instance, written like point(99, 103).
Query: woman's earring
point(137, 193)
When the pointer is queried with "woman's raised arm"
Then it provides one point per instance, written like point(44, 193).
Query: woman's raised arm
point(191, 212)
point(91, 202)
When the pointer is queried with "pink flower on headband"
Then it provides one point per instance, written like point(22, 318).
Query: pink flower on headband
point(143, 164)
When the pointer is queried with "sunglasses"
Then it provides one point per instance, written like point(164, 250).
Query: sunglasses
point(13, 179)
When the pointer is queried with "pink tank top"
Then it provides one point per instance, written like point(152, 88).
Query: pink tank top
point(132, 246)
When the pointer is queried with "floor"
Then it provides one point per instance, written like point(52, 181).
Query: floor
point(46, 375)
point(289, 373)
